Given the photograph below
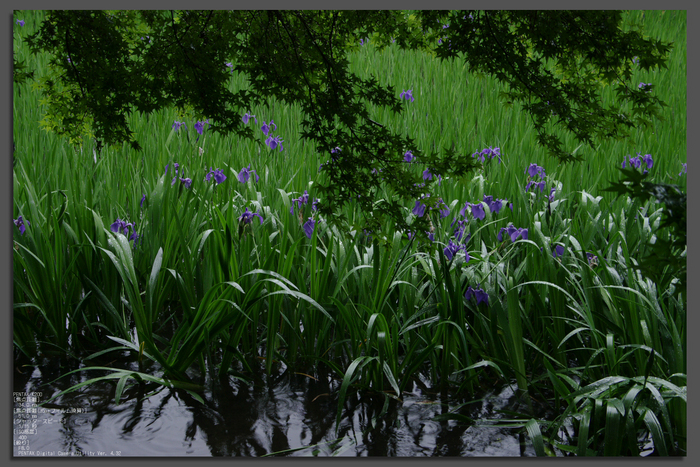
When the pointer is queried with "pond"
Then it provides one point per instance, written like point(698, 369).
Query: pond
point(292, 415)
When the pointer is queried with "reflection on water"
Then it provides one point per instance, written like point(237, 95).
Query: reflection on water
point(293, 416)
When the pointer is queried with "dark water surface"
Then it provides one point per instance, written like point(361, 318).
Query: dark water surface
point(292, 416)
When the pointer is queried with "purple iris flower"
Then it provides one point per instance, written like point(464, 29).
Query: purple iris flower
point(177, 125)
point(645, 87)
point(481, 296)
point(142, 200)
point(551, 195)
point(301, 200)
point(244, 174)
point(450, 250)
point(274, 142)
point(636, 162)
point(459, 231)
point(497, 205)
point(247, 117)
point(535, 169)
point(218, 174)
point(20, 22)
point(479, 156)
point(477, 210)
point(176, 166)
point(684, 169)
point(229, 65)
point(314, 205)
point(408, 157)
point(120, 226)
point(199, 126)
point(479, 293)
point(540, 185)
point(494, 205)
point(514, 233)
point(431, 236)
point(427, 175)
point(408, 95)
point(309, 227)
point(558, 251)
point(19, 222)
point(247, 217)
point(266, 129)
point(186, 181)
point(444, 210)
point(469, 293)
point(490, 153)
point(419, 209)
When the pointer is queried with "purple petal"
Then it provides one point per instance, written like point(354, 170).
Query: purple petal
point(469, 293)
point(481, 296)
point(309, 227)
point(478, 211)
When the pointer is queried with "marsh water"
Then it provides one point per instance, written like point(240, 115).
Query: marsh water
point(291, 415)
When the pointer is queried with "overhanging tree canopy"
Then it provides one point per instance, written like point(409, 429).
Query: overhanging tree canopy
point(107, 64)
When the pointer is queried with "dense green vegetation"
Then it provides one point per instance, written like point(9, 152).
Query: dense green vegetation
point(218, 276)
point(105, 65)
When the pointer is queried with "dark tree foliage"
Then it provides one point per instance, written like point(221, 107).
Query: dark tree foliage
point(555, 63)
point(19, 74)
point(108, 64)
